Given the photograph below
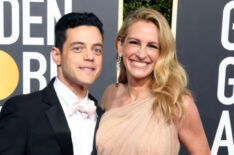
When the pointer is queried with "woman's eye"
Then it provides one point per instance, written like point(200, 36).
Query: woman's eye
point(133, 42)
point(153, 46)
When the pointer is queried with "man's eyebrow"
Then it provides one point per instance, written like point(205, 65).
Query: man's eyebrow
point(82, 43)
point(98, 44)
point(77, 42)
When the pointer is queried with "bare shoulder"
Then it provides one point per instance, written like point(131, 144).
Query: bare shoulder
point(190, 111)
point(189, 105)
point(111, 93)
point(190, 128)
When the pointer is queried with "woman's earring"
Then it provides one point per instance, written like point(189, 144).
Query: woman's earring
point(118, 63)
point(118, 67)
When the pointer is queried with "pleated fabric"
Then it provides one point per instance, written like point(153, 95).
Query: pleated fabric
point(133, 129)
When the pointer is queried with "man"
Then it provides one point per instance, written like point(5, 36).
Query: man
point(60, 119)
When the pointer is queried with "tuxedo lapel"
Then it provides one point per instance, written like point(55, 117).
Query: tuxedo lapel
point(99, 112)
point(58, 120)
point(60, 127)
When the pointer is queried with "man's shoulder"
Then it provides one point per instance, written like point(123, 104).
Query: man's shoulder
point(24, 98)
point(33, 97)
point(26, 103)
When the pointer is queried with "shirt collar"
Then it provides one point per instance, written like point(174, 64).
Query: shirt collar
point(67, 94)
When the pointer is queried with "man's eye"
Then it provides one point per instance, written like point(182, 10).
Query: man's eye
point(96, 50)
point(78, 49)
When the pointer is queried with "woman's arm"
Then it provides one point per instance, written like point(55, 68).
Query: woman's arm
point(190, 129)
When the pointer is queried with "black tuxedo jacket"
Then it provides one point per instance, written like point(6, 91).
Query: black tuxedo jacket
point(35, 124)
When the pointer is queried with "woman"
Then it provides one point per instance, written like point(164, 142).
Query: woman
point(150, 111)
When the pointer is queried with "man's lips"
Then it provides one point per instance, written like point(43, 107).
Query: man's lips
point(87, 68)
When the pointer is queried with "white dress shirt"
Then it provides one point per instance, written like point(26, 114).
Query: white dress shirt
point(82, 129)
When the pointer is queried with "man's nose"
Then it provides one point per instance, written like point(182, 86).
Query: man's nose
point(89, 55)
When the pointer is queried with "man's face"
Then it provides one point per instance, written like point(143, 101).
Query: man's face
point(80, 62)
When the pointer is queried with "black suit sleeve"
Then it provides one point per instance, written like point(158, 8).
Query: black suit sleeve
point(13, 130)
point(99, 113)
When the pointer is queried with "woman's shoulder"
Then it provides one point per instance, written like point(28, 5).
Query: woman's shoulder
point(114, 89)
point(190, 112)
point(190, 128)
point(111, 94)
point(189, 105)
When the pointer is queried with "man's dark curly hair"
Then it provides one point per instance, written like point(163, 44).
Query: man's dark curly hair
point(73, 20)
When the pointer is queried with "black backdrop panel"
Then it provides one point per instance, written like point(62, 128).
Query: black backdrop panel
point(205, 47)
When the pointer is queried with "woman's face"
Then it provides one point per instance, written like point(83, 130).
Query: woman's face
point(140, 50)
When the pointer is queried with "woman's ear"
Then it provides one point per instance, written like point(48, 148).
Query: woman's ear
point(56, 55)
point(119, 47)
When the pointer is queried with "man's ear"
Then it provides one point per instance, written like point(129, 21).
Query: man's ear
point(119, 47)
point(56, 55)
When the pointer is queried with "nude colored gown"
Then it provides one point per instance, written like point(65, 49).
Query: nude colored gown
point(134, 130)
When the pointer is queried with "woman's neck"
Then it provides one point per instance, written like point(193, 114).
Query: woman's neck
point(137, 89)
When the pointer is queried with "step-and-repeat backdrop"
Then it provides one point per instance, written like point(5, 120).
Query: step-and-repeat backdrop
point(27, 35)
point(205, 44)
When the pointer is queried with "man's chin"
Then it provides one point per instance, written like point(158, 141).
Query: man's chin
point(87, 83)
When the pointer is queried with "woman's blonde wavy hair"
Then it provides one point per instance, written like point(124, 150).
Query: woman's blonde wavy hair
point(169, 79)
